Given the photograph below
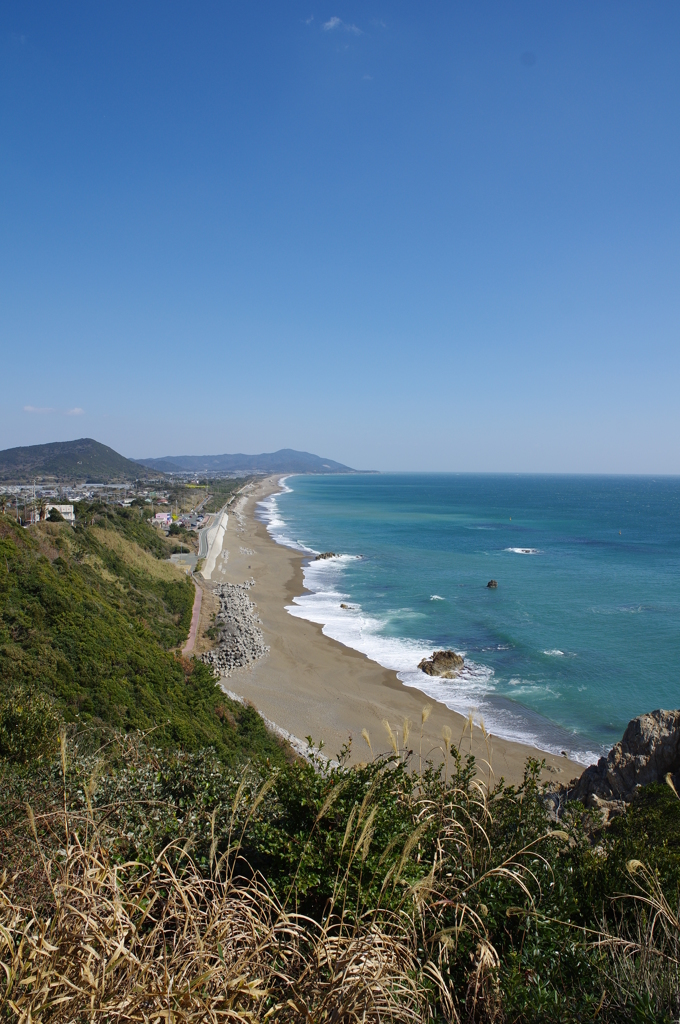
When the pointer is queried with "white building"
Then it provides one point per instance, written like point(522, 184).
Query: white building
point(65, 511)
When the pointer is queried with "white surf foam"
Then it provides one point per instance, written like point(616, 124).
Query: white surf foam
point(268, 512)
point(436, 597)
point(554, 654)
point(470, 692)
point(524, 551)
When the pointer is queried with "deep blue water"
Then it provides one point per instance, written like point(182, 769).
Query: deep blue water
point(581, 635)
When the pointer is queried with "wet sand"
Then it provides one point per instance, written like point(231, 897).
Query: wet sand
point(312, 685)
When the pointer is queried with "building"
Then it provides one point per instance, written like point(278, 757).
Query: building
point(163, 518)
point(65, 511)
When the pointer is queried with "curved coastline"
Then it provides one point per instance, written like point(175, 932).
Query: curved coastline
point(353, 628)
point(311, 684)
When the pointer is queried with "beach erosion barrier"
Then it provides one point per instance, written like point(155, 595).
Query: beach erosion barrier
point(210, 543)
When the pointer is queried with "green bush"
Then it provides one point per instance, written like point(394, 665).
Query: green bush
point(99, 637)
point(29, 725)
point(479, 870)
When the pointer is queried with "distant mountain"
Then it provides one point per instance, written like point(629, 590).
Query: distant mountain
point(68, 462)
point(284, 461)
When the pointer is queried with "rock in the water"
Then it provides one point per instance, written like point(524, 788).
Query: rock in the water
point(442, 663)
point(492, 584)
point(344, 606)
point(325, 554)
point(648, 752)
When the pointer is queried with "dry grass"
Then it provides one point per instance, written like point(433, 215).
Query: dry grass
point(643, 958)
point(136, 943)
point(133, 944)
point(90, 939)
point(130, 552)
point(135, 556)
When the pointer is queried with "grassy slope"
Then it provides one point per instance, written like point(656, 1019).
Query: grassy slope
point(91, 618)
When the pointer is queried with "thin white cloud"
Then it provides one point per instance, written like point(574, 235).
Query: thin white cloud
point(336, 22)
point(47, 410)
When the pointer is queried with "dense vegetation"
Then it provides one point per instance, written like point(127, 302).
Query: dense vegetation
point(90, 623)
point(164, 859)
point(461, 903)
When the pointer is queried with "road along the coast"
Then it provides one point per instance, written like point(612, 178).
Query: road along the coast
point(210, 542)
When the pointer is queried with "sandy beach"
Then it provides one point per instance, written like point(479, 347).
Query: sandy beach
point(310, 685)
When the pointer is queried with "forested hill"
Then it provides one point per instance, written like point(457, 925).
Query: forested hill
point(68, 461)
point(286, 460)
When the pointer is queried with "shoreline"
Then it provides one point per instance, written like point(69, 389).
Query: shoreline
point(312, 685)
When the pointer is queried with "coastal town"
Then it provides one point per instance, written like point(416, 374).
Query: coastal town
point(33, 503)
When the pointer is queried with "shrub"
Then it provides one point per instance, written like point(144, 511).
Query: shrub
point(29, 725)
point(379, 873)
point(95, 633)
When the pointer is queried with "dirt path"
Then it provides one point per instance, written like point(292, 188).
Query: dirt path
point(195, 616)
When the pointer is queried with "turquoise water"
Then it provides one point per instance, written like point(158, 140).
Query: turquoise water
point(583, 631)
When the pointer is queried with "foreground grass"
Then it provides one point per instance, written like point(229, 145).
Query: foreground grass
point(162, 858)
point(143, 882)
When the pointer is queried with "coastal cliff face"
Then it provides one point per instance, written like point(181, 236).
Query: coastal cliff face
point(648, 752)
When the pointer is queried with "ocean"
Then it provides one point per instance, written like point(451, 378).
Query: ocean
point(583, 631)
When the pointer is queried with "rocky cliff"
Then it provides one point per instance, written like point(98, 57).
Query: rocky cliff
point(649, 751)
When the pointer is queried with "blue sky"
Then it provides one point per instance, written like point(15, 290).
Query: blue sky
point(405, 236)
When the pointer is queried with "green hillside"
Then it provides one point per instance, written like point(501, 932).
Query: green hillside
point(68, 461)
point(90, 620)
